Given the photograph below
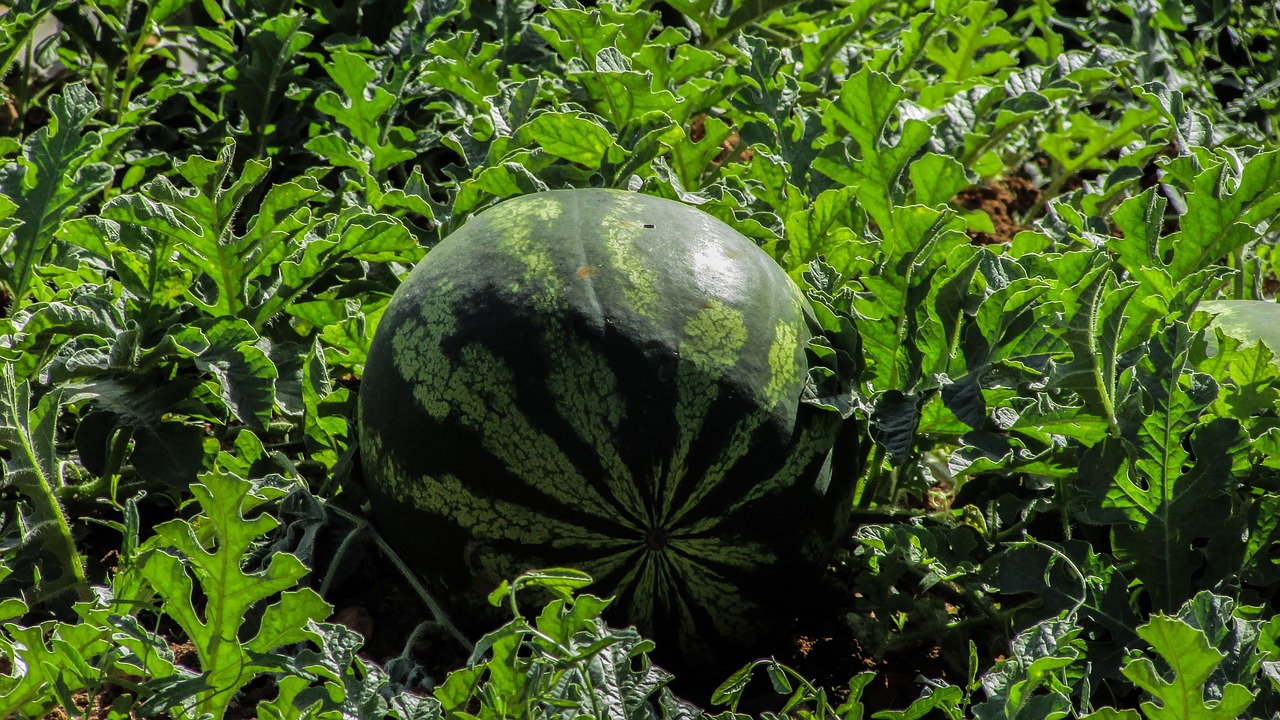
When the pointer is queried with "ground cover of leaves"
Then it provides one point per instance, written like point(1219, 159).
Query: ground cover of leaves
point(1005, 215)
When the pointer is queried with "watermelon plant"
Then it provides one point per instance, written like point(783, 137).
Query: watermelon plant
point(609, 381)
point(1005, 264)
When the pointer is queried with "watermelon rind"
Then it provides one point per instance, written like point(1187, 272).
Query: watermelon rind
point(608, 381)
point(1248, 321)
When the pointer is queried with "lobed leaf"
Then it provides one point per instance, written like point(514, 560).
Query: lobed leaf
point(56, 175)
point(1180, 693)
point(32, 467)
point(177, 559)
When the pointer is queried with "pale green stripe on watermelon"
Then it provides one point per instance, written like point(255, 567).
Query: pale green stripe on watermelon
point(732, 452)
point(627, 557)
point(783, 371)
point(721, 598)
point(671, 573)
point(713, 340)
point(586, 395)
point(814, 441)
point(417, 354)
point(481, 389)
point(639, 284)
point(653, 581)
point(784, 366)
point(516, 237)
point(489, 519)
point(716, 551)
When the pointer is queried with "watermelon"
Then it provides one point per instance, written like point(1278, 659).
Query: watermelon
point(1245, 320)
point(613, 382)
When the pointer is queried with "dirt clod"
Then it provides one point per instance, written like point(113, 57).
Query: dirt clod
point(1003, 201)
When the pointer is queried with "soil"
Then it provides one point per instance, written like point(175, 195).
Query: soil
point(698, 130)
point(1004, 200)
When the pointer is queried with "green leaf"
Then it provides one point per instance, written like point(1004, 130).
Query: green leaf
point(939, 553)
point(1217, 223)
point(1259, 564)
point(617, 93)
point(1224, 211)
point(1093, 320)
point(561, 582)
point(506, 180)
point(1168, 497)
point(917, 242)
point(1085, 140)
point(1073, 579)
point(54, 177)
point(1010, 326)
point(199, 225)
point(575, 33)
point(1250, 381)
point(267, 64)
point(1191, 128)
point(677, 69)
point(573, 136)
point(867, 102)
point(366, 109)
point(178, 558)
point(165, 450)
point(1180, 693)
point(28, 435)
point(716, 22)
point(351, 235)
point(459, 687)
point(43, 657)
point(346, 327)
point(1045, 419)
point(163, 10)
point(229, 350)
point(11, 608)
point(974, 47)
point(1109, 713)
point(980, 120)
point(821, 228)
point(136, 649)
point(325, 409)
point(284, 250)
point(691, 159)
point(937, 178)
point(462, 68)
point(1025, 685)
point(1142, 250)
point(770, 94)
point(334, 680)
point(141, 259)
point(81, 325)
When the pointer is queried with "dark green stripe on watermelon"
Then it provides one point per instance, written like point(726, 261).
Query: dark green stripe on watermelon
point(610, 381)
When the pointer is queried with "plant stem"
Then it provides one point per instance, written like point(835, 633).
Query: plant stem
point(343, 547)
point(43, 497)
point(868, 486)
point(437, 612)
